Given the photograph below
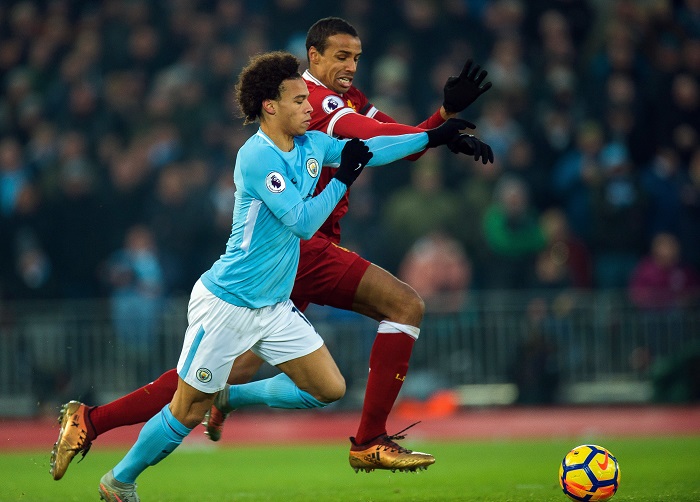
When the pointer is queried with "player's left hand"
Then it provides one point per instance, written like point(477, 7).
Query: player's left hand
point(463, 90)
point(449, 130)
point(472, 146)
point(353, 160)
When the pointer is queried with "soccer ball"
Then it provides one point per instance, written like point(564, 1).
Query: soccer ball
point(589, 473)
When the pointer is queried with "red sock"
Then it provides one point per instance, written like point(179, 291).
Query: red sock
point(388, 363)
point(136, 407)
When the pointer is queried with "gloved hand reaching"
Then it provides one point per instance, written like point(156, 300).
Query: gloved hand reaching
point(353, 160)
point(463, 90)
point(446, 132)
point(473, 146)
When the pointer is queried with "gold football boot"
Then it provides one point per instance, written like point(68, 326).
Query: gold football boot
point(384, 453)
point(72, 438)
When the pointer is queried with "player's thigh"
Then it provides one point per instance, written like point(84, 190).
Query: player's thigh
point(317, 374)
point(244, 368)
point(328, 274)
point(382, 296)
point(292, 344)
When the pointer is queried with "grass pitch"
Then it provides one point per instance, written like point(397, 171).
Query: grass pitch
point(653, 469)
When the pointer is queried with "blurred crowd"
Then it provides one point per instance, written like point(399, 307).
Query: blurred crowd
point(118, 136)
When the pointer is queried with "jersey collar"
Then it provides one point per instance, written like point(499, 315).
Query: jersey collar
point(266, 138)
point(307, 76)
point(269, 141)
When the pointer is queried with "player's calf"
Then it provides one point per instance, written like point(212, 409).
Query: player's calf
point(216, 416)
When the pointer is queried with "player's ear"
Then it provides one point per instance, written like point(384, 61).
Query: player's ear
point(268, 106)
point(314, 55)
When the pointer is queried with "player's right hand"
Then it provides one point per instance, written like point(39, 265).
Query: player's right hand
point(446, 132)
point(472, 146)
point(353, 160)
point(463, 90)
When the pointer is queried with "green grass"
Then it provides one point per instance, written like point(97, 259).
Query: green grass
point(652, 470)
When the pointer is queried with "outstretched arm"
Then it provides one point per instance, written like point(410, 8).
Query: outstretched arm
point(355, 125)
point(386, 149)
point(459, 93)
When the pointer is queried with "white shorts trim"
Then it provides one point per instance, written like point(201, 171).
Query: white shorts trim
point(218, 332)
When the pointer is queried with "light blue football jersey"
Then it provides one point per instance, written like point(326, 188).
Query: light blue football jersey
point(274, 208)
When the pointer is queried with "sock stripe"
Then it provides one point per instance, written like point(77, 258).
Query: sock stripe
point(174, 424)
point(393, 327)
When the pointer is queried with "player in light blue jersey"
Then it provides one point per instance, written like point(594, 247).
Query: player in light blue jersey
point(242, 302)
point(274, 208)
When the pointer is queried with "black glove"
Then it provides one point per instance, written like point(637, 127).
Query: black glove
point(441, 135)
point(353, 160)
point(473, 146)
point(463, 90)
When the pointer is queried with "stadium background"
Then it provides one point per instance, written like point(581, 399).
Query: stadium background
point(118, 134)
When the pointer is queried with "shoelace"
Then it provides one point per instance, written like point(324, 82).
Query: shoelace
point(83, 450)
point(81, 446)
point(398, 437)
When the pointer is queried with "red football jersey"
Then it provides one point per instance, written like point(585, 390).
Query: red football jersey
point(349, 115)
point(328, 108)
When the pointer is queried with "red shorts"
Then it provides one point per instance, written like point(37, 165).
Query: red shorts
point(328, 275)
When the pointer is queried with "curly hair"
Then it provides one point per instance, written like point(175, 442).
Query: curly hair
point(318, 34)
point(262, 79)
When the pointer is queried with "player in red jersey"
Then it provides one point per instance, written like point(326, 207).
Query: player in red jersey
point(327, 275)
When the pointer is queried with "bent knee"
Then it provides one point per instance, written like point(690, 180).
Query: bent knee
point(408, 308)
point(191, 416)
point(415, 304)
point(331, 392)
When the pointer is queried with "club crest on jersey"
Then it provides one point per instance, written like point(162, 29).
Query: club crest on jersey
point(274, 182)
point(203, 375)
point(312, 167)
point(332, 103)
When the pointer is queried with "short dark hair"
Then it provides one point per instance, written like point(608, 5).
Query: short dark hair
point(318, 34)
point(262, 79)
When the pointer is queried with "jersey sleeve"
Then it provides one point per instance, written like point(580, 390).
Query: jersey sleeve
point(431, 122)
point(265, 179)
point(353, 116)
point(350, 116)
point(306, 217)
point(354, 125)
point(263, 175)
point(371, 122)
point(385, 149)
